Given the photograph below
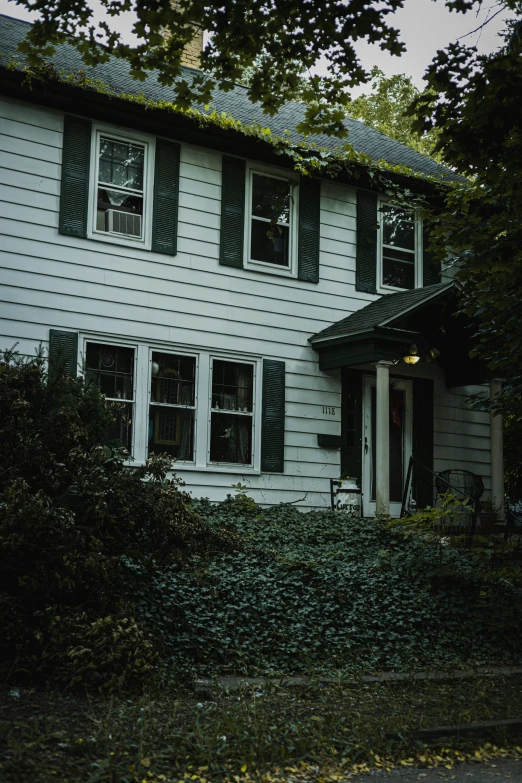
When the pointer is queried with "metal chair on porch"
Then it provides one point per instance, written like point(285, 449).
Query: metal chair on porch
point(467, 485)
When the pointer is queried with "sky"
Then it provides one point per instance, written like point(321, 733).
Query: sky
point(425, 26)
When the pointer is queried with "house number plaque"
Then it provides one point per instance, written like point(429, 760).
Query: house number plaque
point(328, 410)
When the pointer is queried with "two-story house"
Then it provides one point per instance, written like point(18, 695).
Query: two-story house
point(251, 323)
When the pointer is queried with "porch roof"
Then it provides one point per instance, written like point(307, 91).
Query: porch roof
point(380, 313)
point(385, 328)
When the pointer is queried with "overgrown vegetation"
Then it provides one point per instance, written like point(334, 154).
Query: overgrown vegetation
point(267, 732)
point(73, 520)
point(110, 575)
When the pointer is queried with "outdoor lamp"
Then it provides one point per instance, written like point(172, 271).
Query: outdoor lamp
point(412, 357)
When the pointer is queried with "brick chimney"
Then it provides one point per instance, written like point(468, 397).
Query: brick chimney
point(192, 51)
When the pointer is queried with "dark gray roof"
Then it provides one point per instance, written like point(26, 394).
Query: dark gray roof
point(115, 73)
point(381, 312)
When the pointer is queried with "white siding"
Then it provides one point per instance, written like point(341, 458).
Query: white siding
point(52, 281)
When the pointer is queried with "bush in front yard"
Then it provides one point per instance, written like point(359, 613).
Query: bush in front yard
point(319, 591)
point(71, 516)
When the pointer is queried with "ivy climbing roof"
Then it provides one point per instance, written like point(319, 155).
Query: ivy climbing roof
point(115, 74)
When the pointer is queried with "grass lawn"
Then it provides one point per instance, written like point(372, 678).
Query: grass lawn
point(270, 732)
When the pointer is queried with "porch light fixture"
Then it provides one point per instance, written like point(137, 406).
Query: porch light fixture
point(412, 357)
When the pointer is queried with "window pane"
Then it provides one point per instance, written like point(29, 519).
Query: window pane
point(270, 198)
point(271, 249)
point(232, 386)
point(111, 368)
point(121, 163)
point(397, 272)
point(171, 431)
point(398, 228)
point(120, 432)
point(231, 438)
point(173, 379)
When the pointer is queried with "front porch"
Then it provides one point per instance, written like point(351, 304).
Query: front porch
point(406, 376)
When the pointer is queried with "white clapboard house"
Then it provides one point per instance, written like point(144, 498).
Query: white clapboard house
point(135, 241)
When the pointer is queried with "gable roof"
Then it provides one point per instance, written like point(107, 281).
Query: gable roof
point(380, 313)
point(115, 74)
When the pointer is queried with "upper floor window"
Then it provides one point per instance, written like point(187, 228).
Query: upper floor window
point(120, 184)
point(401, 248)
point(271, 217)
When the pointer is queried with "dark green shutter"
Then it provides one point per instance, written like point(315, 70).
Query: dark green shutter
point(273, 424)
point(63, 352)
point(351, 424)
point(232, 212)
point(166, 190)
point(367, 224)
point(423, 411)
point(74, 193)
point(309, 228)
point(430, 267)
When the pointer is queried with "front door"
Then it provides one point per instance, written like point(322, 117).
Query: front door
point(400, 429)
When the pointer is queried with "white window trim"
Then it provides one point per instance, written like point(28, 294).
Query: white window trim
point(101, 339)
point(288, 176)
point(142, 391)
point(387, 289)
point(175, 352)
point(256, 417)
point(149, 142)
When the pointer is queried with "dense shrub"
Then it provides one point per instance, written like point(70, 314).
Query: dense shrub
point(322, 590)
point(71, 514)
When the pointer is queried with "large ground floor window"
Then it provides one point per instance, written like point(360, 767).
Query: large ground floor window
point(199, 407)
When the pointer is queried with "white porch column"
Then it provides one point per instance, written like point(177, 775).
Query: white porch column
point(382, 439)
point(497, 456)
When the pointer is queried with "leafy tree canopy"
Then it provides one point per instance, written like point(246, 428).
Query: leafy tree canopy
point(385, 108)
point(475, 104)
point(282, 39)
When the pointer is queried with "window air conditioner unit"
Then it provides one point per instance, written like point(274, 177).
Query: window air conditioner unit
point(126, 223)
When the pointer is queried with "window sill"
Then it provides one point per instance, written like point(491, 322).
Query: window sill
point(269, 269)
point(187, 466)
point(122, 241)
point(390, 289)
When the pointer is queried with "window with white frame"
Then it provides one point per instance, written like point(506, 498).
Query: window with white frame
point(172, 405)
point(400, 266)
point(198, 408)
point(271, 220)
point(232, 410)
point(111, 369)
point(121, 184)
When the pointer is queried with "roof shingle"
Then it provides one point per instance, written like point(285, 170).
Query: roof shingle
point(115, 74)
point(381, 312)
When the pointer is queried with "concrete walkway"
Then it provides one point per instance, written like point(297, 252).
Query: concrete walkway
point(495, 771)
point(245, 682)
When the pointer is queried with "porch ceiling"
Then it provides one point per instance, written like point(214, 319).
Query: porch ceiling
point(386, 327)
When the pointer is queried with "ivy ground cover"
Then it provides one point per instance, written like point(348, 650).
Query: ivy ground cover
point(320, 592)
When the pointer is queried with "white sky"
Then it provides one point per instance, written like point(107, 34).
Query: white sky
point(425, 26)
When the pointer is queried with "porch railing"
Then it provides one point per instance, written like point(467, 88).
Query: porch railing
point(415, 465)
